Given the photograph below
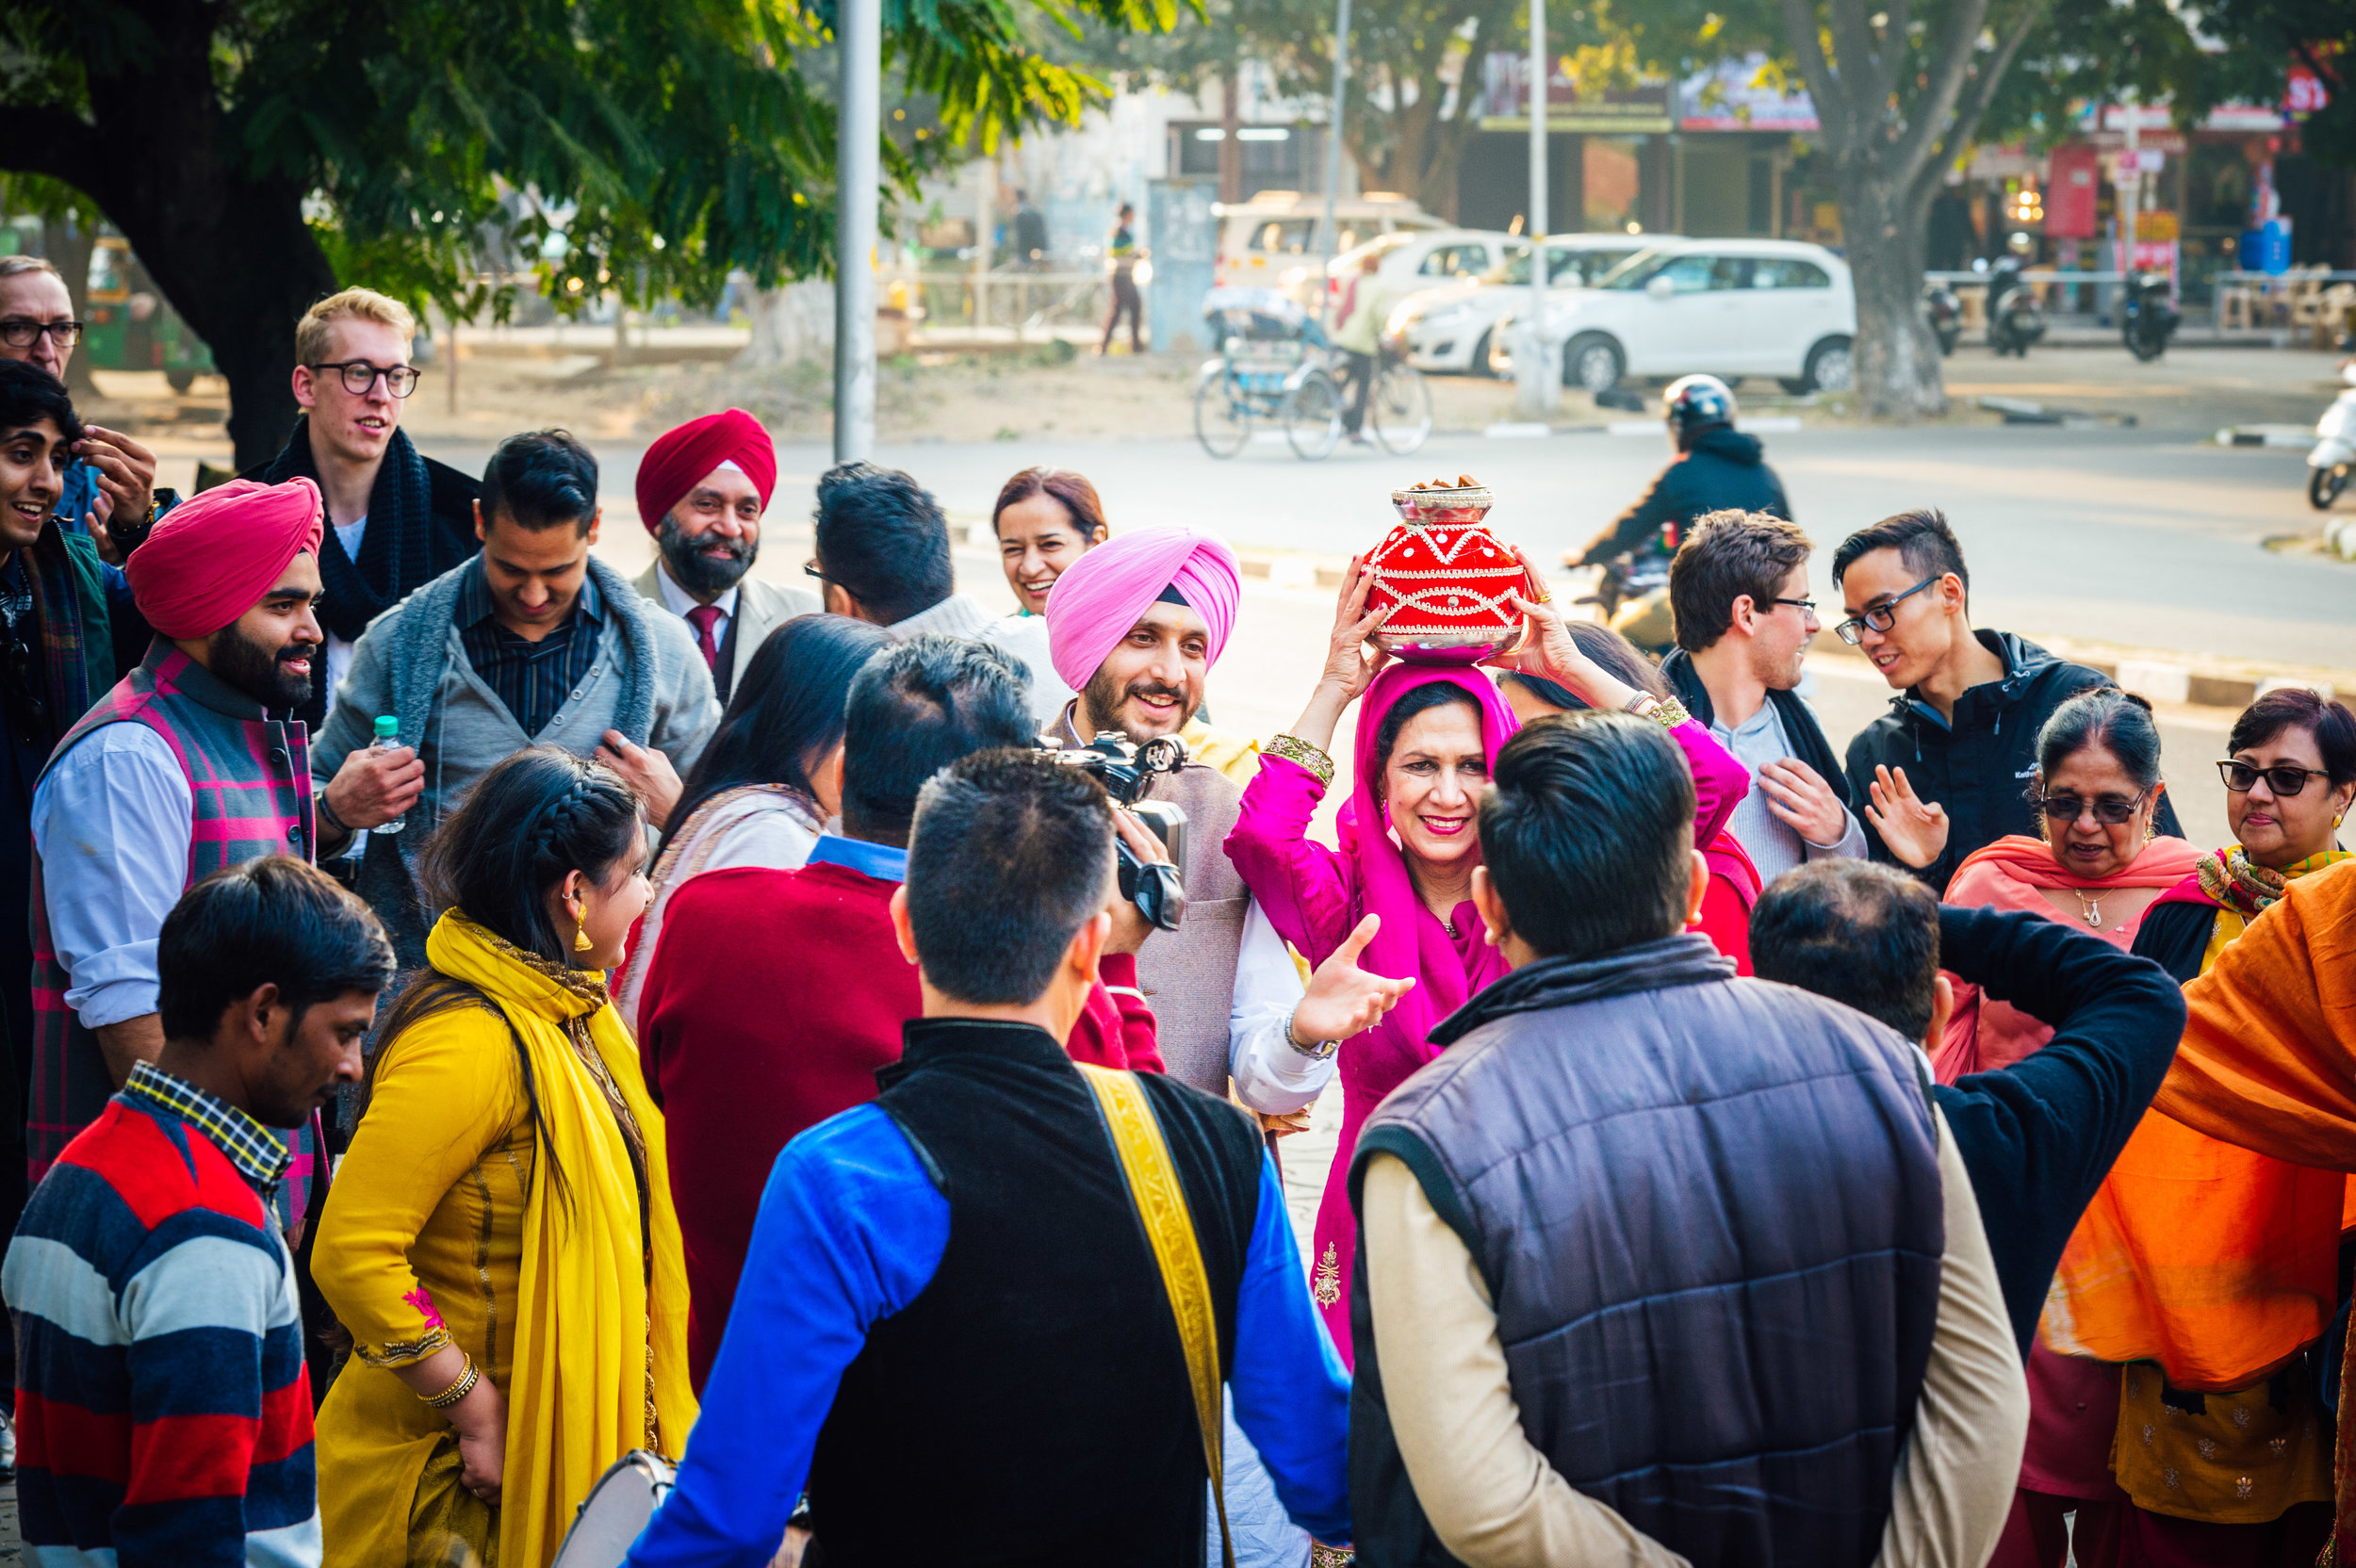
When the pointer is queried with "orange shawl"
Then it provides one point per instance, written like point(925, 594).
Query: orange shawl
point(1984, 1034)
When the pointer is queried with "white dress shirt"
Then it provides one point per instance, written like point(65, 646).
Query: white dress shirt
point(679, 601)
point(339, 651)
point(111, 824)
point(1269, 1074)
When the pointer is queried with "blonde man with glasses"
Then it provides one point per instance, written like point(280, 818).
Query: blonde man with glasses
point(112, 475)
point(397, 518)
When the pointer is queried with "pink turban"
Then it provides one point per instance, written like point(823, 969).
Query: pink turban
point(680, 457)
point(213, 556)
point(1108, 590)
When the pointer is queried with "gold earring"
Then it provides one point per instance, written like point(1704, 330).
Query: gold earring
point(581, 937)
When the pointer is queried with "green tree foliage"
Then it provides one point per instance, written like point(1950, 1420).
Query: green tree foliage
point(258, 152)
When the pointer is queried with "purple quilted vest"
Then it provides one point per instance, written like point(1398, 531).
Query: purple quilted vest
point(250, 779)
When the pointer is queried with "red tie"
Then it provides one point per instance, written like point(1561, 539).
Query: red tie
point(704, 617)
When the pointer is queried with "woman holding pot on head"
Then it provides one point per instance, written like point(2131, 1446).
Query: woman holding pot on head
point(1426, 737)
point(500, 1241)
point(2098, 864)
point(2214, 1266)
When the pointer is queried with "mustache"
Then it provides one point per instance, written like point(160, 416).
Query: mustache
point(293, 651)
point(1154, 689)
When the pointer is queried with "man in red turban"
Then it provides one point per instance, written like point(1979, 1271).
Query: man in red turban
point(701, 491)
point(193, 762)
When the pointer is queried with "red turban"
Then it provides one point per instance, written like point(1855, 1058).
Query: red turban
point(680, 458)
point(213, 556)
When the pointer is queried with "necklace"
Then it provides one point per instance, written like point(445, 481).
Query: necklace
point(2090, 907)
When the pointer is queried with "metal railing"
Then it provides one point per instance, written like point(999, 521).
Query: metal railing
point(1022, 303)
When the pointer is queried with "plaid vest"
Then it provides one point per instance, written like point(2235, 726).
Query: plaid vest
point(250, 782)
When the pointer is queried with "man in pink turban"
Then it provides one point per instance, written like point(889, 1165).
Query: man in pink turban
point(702, 489)
point(193, 762)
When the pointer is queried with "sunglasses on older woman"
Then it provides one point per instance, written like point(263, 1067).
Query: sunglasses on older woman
point(2110, 810)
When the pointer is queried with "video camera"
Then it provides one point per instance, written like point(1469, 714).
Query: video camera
point(1127, 771)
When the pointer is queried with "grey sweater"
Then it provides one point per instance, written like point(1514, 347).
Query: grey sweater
point(648, 682)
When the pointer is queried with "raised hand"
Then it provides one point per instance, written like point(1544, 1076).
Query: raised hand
point(1343, 999)
point(1914, 828)
point(1550, 653)
point(1351, 664)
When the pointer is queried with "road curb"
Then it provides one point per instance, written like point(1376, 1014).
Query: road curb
point(2265, 435)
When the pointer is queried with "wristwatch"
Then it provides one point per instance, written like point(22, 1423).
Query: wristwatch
point(1317, 1050)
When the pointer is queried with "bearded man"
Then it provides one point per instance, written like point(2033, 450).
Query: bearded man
point(702, 489)
point(192, 762)
point(1134, 626)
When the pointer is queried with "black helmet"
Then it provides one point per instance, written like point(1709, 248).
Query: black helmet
point(1695, 403)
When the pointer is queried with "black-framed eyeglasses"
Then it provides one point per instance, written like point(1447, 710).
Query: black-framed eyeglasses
point(810, 568)
point(22, 331)
point(2110, 810)
point(2285, 780)
point(1882, 617)
point(1806, 607)
point(359, 375)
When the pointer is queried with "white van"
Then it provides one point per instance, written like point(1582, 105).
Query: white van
point(1276, 232)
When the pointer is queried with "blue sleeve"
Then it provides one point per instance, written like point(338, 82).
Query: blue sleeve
point(1292, 1393)
point(850, 1231)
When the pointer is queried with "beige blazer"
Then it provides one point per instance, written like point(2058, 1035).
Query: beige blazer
point(761, 607)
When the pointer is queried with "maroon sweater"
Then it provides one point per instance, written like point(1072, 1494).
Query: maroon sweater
point(773, 998)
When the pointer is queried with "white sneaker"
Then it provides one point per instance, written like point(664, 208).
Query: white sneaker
point(8, 1447)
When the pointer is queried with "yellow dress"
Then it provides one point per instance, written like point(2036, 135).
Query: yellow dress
point(443, 1225)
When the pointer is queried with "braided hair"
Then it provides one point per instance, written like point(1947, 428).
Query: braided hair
point(531, 821)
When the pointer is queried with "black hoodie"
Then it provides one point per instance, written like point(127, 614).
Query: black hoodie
point(1723, 468)
point(1980, 766)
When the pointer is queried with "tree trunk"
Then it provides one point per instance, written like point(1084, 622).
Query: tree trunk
point(1895, 359)
point(1230, 145)
point(229, 250)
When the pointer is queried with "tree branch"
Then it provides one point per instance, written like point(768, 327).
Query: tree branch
point(1894, 50)
point(1928, 123)
point(1964, 123)
point(1832, 112)
point(1861, 67)
point(49, 141)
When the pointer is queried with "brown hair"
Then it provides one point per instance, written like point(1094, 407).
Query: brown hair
point(1727, 555)
point(357, 305)
point(1074, 490)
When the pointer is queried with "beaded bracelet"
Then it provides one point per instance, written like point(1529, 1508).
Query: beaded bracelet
point(457, 1391)
point(1292, 748)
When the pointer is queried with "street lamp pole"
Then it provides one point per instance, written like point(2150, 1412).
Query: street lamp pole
point(1538, 384)
point(1334, 164)
point(858, 129)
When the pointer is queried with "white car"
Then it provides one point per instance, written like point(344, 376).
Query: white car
point(1728, 307)
point(1446, 327)
point(1274, 235)
point(1413, 260)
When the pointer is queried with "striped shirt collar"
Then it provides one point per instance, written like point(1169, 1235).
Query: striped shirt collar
point(257, 1152)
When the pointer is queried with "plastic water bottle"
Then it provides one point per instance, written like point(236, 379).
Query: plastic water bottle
point(388, 739)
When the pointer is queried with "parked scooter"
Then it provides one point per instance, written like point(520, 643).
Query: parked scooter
point(2146, 319)
point(2015, 320)
point(2335, 445)
point(1943, 313)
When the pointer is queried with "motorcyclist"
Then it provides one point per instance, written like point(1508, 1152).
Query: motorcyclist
point(1716, 468)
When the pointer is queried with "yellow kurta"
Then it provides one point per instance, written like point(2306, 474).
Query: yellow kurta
point(443, 1225)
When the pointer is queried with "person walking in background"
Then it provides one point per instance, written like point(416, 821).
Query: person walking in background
point(1427, 737)
point(2098, 792)
point(500, 1240)
point(953, 1283)
point(1738, 595)
point(2225, 1461)
point(739, 1076)
point(1045, 520)
point(164, 1408)
point(1358, 336)
point(1120, 259)
point(1940, 775)
point(398, 520)
point(110, 474)
point(702, 489)
point(883, 557)
point(1657, 1260)
point(534, 641)
point(771, 779)
point(191, 763)
point(1030, 234)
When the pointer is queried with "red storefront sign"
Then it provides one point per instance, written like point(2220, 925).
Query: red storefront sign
point(2070, 192)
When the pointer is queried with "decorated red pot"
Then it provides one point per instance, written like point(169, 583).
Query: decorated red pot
point(1448, 580)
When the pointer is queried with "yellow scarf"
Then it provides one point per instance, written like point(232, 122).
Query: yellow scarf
point(590, 1348)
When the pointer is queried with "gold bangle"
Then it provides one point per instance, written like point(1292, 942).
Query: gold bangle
point(1668, 713)
point(457, 1391)
point(1292, 748)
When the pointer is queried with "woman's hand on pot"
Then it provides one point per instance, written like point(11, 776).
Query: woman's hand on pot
point(1550, 653)
point(1351, 664)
